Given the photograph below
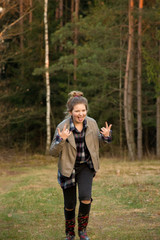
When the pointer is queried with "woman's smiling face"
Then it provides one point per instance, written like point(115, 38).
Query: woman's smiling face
point(79, 113)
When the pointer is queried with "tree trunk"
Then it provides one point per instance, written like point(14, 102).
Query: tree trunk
point(30, 13)
point(139, 85)
point(72, 9)
point(30, 4)
point(61, 12)
point(66, 12)
point(21, 26)
point(61, 16)
point(48, 107)
point(57, 10)
point(158, 128)
point(21, 10)
point(128, 87)
point(120, 94)
point(158, 117)
point(76, 41)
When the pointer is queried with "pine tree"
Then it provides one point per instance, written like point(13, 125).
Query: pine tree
point(139, 85)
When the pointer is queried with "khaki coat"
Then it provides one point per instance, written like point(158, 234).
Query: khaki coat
point(67, 152)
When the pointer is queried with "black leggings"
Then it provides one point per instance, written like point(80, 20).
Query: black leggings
point(84, 177)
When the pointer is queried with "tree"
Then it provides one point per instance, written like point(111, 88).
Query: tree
point(92, 50)
point(21, 10)
point(128, 86)
point(48, 107)
point(76, 40)
point(61, 12)
point(139, 85)
point(98, 67)
point(151, 53)
point(30, 14)
point(158, 112)
point(22, 115)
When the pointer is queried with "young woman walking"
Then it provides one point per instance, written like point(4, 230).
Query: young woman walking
point(76, 142)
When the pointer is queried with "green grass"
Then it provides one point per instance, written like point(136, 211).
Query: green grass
point(126, 200)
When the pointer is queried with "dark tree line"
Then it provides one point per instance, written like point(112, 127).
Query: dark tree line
point(109, 50)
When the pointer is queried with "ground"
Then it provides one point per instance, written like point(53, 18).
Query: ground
point(126, 200)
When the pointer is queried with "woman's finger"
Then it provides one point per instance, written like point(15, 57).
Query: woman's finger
point(69, 133)
point(106, 124)
point(64, 128)
point(110, 126)
point(59, 132)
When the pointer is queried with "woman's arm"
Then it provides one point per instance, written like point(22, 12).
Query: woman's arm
point(58, 140)
point(56, 145)
point(105, 134)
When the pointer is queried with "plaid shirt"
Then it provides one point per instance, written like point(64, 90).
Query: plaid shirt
point(83, 155)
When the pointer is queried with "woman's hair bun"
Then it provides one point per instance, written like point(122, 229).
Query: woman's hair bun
point(75, 94)
point(76, 97)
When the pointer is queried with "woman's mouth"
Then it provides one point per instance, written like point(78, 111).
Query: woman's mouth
point(80, 119)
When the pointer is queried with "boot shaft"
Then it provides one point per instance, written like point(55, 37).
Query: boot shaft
point(69, 223)
point(83, 216)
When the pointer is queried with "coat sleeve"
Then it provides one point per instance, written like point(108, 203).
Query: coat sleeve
point(56, 145)
point(107, 139)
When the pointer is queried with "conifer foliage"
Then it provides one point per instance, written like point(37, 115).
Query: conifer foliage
point(107, 49)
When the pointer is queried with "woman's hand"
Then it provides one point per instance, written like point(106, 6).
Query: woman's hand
point(65, 133)
point(106, 130)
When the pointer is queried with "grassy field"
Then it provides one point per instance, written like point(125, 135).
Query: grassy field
point(126, 200)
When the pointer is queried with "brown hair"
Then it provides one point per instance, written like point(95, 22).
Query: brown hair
point(76, 97)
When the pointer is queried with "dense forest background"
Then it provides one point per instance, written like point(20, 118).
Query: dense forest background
point(110, 50)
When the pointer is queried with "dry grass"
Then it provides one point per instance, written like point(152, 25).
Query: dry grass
point(125, 207)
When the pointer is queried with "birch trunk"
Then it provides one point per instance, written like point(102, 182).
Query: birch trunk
point(128, 87)
point(139, 85)
point(48, 106)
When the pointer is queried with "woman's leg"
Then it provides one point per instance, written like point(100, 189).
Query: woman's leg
point(69, 210)
point(84, 180)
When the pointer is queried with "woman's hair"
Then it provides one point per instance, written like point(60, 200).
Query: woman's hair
point(76, 97)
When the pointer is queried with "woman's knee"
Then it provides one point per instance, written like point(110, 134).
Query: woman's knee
point(70, 205)
point(86, 201)
point(69, 210)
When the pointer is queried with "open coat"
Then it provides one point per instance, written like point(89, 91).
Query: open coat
point(67, 152)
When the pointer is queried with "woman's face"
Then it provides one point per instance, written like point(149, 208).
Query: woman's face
point(79, 113)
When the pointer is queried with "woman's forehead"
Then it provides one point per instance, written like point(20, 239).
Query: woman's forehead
point(79, 106)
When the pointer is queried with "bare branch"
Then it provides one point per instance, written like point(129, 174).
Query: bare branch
point(13, 23)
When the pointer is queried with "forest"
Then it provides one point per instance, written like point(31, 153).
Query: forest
point(109, 50)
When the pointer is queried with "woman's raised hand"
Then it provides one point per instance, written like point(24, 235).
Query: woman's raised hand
point(106, 130)
point(65, 133)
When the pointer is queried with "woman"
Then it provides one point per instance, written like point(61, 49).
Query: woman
point(76, 142)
